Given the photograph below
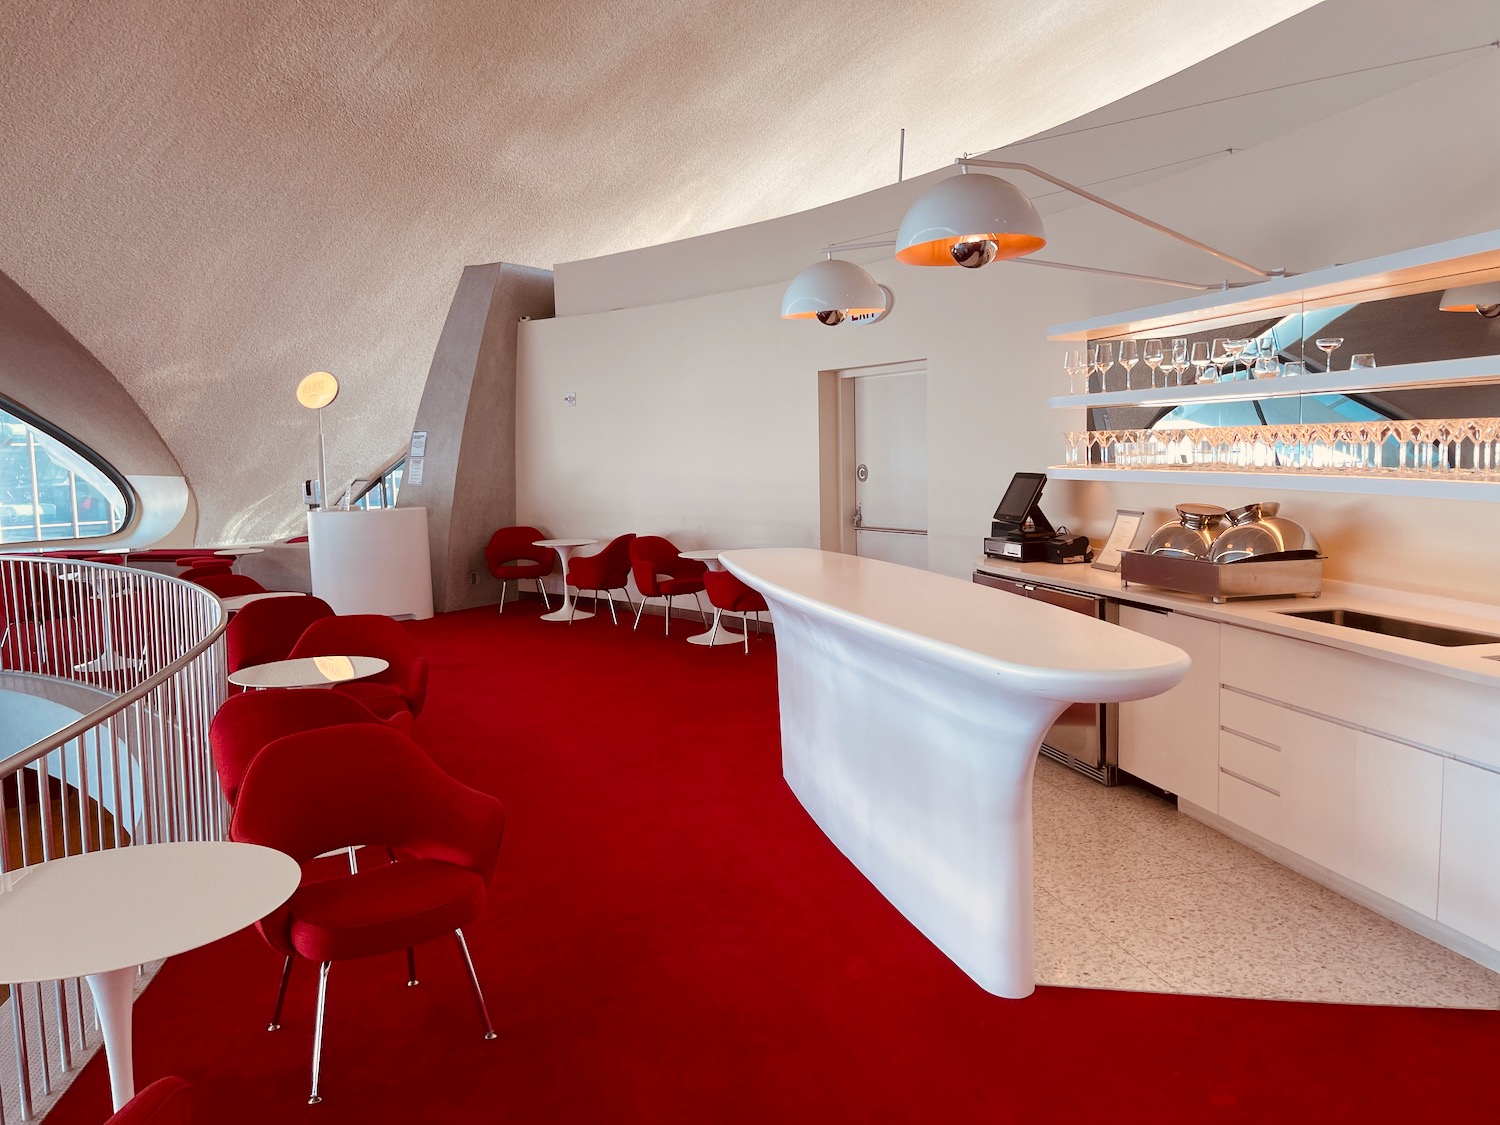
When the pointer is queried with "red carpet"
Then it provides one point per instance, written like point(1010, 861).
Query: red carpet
point(670, 939)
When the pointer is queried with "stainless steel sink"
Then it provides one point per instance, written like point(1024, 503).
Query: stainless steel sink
point(1394, 627)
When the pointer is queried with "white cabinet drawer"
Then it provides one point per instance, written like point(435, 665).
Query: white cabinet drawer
point(1404, 703)
point(1252, 807)
point(1256, 762)
point(1469, 878)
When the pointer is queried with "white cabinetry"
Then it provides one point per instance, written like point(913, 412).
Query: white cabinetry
point(1357, 765)
point(1171, 740)
point(1469, 887)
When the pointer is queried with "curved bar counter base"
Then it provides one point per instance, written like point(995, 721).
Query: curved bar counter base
point(912, 709)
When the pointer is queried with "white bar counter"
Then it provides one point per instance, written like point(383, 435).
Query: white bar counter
point(912, 708)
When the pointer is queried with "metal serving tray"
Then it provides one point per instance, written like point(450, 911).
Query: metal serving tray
point(1251, 578)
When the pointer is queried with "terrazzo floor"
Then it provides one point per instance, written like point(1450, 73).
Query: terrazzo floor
point(1132, 894)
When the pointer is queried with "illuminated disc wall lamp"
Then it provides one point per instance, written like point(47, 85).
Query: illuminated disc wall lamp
point(1483, 299)
point(833, 291)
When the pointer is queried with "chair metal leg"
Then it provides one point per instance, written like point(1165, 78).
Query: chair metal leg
point(628, 600)
point(286, 976)
point(573, 606)
point(667, 626)
point(703, 617)
point(411, 968)
point(745, 629)
point(353, 859)
point(503, 584)
point(640, 609)
point(541, 588)
point(715, 632)
point(612, 616)
point(484, 1012)
point(314, 1098)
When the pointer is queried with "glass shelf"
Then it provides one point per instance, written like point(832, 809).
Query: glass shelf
point(1282, 480)
point(1439, 373)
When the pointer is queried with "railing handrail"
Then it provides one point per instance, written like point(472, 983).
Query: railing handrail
point(94, 718)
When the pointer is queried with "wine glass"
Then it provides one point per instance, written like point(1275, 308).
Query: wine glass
point(1153, 355)
point(1219, 353)
point(1200, 361)
point(1180, 357)
point(1235, 349)
point(1076, 365)
point(1329, 344)
point(1104, 359)
point(1130, 355)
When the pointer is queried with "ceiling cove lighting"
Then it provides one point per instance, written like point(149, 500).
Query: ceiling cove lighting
point(833, 291)
point(1483, 299)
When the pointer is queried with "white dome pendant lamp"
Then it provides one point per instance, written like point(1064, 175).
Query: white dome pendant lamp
point(969, 221)
point(1483, 299)
point(833, 291)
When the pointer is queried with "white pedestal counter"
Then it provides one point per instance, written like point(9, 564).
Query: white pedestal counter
point(373, 561)
point(912, 709)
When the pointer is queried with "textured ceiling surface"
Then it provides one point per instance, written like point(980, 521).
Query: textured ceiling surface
point(218, 198)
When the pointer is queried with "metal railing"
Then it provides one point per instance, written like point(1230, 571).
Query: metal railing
point(138, 658)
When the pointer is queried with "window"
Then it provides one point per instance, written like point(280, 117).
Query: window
point(51, 487)
point(382, 492)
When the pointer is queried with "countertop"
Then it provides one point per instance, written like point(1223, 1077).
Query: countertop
point(1033, 648)
point(1479, 664)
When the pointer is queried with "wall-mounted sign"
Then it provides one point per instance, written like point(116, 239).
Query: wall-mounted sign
point(414, 466)
point(418, 444)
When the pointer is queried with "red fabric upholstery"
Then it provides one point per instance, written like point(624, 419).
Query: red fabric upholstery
point(204, 570)
point(608, 570)
point(297, 539)
point(266, 630)
point(398, 905)
point(246, 724)
point(725, 591)
point(228, 585)
point(370, 634)
point(167, 1101)
point(323, 790)
point(651, 555)
point(510, 545)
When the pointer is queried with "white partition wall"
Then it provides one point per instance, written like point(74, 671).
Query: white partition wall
point(372, 562)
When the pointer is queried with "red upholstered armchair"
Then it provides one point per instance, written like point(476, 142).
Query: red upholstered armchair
point(512, 553)
point(266, 630)
point(228, 585)
point(660, 572)
point(205, 570)
point(727, 594)
point(395, 695)
point(323, 790)
point(246, 724)
point(167, 1101)
point(608, 570)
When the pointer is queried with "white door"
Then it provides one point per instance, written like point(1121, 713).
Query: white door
point(890, 477)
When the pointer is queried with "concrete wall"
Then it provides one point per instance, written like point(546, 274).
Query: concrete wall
point(468, 481)
point(44, 369)
point(698, 418)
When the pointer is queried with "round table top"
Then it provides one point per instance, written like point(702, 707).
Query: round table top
point(556, 543)
point(125, 906)
point(239, 601)
point(240, 551)
point(707, 555)
point(309, 671)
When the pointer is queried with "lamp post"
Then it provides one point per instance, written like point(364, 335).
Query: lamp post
point(316, 391)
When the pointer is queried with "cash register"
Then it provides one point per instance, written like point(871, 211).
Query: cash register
point(1020, 532)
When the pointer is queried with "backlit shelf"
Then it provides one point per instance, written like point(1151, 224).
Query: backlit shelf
point(1370, 483)
point(1436, 373)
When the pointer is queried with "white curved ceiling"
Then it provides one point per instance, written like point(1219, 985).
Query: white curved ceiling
point(217, 199)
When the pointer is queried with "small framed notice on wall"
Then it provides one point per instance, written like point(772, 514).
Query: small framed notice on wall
point(1121, 538)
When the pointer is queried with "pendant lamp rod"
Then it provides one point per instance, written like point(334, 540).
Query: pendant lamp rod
point(975, 162)
point(1196, 286)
